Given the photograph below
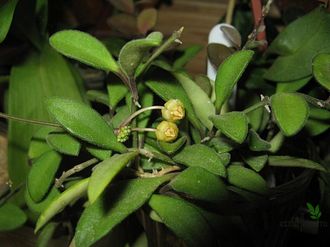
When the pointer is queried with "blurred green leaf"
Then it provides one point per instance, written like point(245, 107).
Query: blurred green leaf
point(202, 156)
point(98, 96)
point(315, 127)
point(64, 143)
point(84, 48)
point(11, 217)
point(39, 207)
point(232, 124)
point(290, 112)
point(116, 92)
point(321, 68)
point(104, 173)
point(146, 20)
point(184, 220)
point(46, 234)
point(188, 54)
point(121, 200)
point(7, 9)
point(38, 144)
point(288, 161)
point(292, 86)
point(204, 83)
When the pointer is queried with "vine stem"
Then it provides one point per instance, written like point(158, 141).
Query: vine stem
point(230, 11)
point(24, 120)
point(144, 129)
point(131, 117)
point(263, 102)
point(160, 173)
point(73, 170)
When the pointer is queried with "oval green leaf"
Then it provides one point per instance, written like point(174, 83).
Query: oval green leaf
point(38, 144)
point(171, 148)
point(321, 69)
point(290, 112)
point(105, 171)
point(99, 153)
point(246, 179)
point(200, 184)
point(85, 123)
point(256, 162)
point(229, 72)
point(42, 173)
point(11, 217)
point(84, 48)
point(59, 203)
point(288, 161)
point(7, 10)
point(64, 143)
point(202, 156)
point(256, 143)
point(200, 100)
point(234, 125)
point(184, 219)
point(121, 200)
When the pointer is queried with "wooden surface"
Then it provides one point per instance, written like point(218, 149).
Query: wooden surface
point(197, 17)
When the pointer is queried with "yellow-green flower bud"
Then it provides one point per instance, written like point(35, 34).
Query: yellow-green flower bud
point(173, 110)
point(123, 133)
point(167, 131)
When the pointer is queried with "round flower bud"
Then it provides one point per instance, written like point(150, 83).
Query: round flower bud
point(123, 133)
point(167, 131)
point(173, 110)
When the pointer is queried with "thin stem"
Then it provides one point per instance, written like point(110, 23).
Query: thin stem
point(73, 170)
point(24, 120)
point(262, 103)
point(160, 173)
point(144, 129)
point(317, 102)
point(174, 38)
point(131, 117)
point(230, 11)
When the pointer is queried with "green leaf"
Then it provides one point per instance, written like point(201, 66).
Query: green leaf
point(256, 162)
point(217, 53)
point(64, 143)
point(84, 122)
point(292, 86)
point(317, 209)
point(315, 127)
point(7, 10)
point(202, 104)
point(84, 48)
point(310, 207)
point(290, 112)
point(38, 77)
point(98, 96)
point(39, 207)
point(11, 217)
point(99, 153)
point(222, 145)
point(225, 158)
point(46, 234)
point(200, 184)
point(116, 91)
point(104, 173)
point(256, 143)
point(232, 124)
point(204, 83)
point(59, 203)
point(202, 156)
point(38, 144)
point(121, 200)
point(172, 147)
point(298, 44)
point(276, 142)
point(132, 54)
point(321, 68)
point(246, 179)
point(155, 154)
point(146, 20)
point(42, 173)
point(319, 114)
point(256, 117)
point(288, 161)
point(146, 100)
point(170, 90)
point(188, 54)
point(229, 72)
point(183, 219)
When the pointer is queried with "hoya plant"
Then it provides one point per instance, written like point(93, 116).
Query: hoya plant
point(159, 158)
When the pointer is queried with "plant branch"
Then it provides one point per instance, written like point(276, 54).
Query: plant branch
point(265, 101)
point(316, 102)
point(144, 129)
point(24, 120)
point(160, 173)
point(131, 117)
point(73, 170)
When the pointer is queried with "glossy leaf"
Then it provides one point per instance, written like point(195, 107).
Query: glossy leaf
point(42, 174)
point(121, 200)
point(7, 10)
point(288, 161)
point(256, 162)
point(64, 143)
point(11, 217)
point(228, 74)
point(99, 153)
point(84, 122)
point(246, 179)
point(188, 54)
point(292, 86)
point(290, 112)
point(59, 203)
point(232, 124)
point(172, 147)
point(40, 76)
point(202, 156)
point(84, 48)
point(202, 104)
point(183, 219)
point(146, 20)
point(134, 51)
point(200, 184)
point(39, 207)
point(256, 143)
point(104, 173)
point(321, 68)
point(170, 90)
point(298, 44)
